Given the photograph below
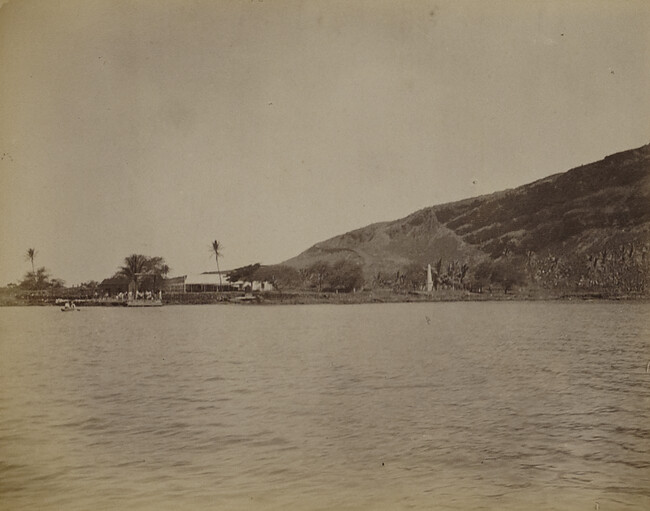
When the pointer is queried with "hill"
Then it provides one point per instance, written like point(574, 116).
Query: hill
point(588, 227)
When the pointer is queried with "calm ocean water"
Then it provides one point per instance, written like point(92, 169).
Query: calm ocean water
point(358, 407)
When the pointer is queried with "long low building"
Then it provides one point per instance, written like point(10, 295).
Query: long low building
point(175, 284)
point(212, 282)
point(207, 283)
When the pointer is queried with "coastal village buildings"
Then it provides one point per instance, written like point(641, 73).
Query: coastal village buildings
point(114, 286)
point(210, 282)
point(174, 284)
point(207, 282)
point(120, 284)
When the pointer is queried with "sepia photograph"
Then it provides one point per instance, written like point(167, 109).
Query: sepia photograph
point(324, 255)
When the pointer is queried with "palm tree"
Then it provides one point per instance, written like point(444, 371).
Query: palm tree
point(134, 266)
point(155, 265)
point(216, 249)
point(29, 256)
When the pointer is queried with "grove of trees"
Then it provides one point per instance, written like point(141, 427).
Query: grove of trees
point(504, 274)
point(624, 268)
point(137, 268)
point(38, 279)
point(341, 276)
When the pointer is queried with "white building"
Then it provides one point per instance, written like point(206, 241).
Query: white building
point(212, 282)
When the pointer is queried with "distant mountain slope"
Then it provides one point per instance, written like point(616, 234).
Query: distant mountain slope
point(591, 208)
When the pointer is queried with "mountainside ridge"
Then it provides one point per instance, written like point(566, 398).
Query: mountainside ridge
point(594, 207)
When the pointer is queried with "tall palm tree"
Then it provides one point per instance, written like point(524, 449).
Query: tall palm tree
point(216, 249)
point(29, 256)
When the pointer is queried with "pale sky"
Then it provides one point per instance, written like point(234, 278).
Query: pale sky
point(157, 126)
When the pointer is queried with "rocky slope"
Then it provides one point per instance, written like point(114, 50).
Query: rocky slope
point(587, 212)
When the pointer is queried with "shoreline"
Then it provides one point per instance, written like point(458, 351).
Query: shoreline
point(315, 298)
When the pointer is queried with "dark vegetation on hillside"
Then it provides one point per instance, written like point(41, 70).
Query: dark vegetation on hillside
point(602, 195)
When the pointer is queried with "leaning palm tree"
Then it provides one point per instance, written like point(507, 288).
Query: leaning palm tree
point(216, 249)
point(29, 256)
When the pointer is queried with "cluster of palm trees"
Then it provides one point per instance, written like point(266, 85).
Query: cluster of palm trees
point(137, 266)
point(413, 276)
point(38, 278)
